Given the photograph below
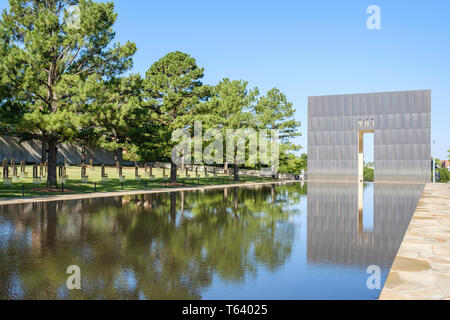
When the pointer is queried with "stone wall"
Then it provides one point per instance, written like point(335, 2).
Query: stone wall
point(30, 152)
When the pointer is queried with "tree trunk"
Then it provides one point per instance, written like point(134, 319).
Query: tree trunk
point(44, 152)
point(173, 172)
point(118, 156)
point(182, 162)
point(83, 154)
point(236, 167)
point(236, 172)
point(51, 176)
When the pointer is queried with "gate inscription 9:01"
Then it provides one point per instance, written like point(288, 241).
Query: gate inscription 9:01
point(366, 123)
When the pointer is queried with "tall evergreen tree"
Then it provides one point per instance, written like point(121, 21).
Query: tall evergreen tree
point(230, 106)
point(235, 106)
point(274, 112)
point(50, 55)
point(172, 91)
point(118, 114)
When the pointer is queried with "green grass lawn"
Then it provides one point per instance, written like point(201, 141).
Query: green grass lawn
point(74, 184)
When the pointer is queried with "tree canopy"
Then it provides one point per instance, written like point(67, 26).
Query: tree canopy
point(62, 78)
point(172, 89)
point(49, 66)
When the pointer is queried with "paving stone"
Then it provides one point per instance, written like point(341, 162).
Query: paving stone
point(421, 269)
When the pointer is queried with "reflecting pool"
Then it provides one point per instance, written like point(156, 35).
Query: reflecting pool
point(292, 241)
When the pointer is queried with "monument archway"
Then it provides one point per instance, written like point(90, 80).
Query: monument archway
point(400, 121)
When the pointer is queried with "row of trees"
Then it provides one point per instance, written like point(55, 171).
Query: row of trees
point(63, 82)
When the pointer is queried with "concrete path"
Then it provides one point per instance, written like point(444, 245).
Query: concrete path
point(128, 193)
point(421, 269)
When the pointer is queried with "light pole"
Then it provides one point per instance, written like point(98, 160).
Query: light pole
point(434, 165)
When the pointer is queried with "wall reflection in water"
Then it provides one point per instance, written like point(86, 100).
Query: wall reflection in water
point(338, 231)
point(236, 243)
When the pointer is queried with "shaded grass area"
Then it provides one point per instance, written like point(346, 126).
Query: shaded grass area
point(74, 185)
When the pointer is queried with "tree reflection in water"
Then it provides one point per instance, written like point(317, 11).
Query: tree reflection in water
point(154, 246)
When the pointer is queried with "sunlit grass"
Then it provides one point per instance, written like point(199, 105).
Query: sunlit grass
point(26, 188)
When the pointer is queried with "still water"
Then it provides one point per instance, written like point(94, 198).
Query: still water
point(292, 241)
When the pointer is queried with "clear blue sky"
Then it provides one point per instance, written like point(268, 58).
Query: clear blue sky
point(304, 48)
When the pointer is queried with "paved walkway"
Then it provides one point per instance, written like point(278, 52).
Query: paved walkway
point(127, 193)
point(421, 269)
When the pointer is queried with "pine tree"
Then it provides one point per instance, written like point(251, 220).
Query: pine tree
point(172, 91)
point(52, 52)
point(235, 106)
point(274, 112)
point(118, 114)
point(230, 107)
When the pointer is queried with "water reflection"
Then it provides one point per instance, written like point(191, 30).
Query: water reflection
point(336, 231)
point(271, 242)
point(155, 246)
